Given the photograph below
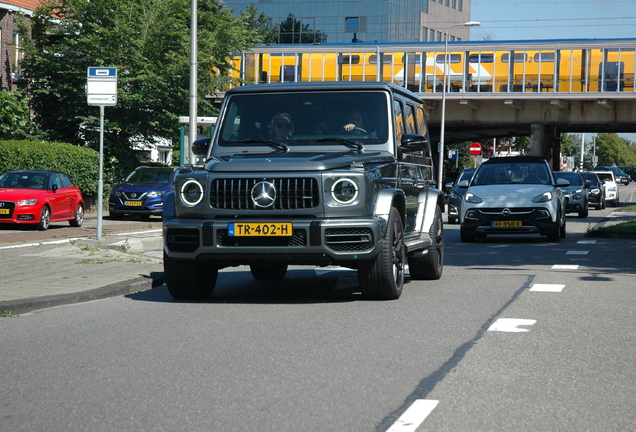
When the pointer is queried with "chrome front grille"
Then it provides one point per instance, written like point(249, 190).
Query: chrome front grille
point(515, 213)
point(291, 194)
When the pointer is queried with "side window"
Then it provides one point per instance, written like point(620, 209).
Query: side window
point(420, 117)
point(398, 115)
point(409, 117)
point(65, 181)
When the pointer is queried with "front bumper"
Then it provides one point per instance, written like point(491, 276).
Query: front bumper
point(313, 242)
point(533, 220)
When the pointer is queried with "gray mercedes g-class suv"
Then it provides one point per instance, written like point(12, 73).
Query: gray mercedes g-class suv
point(308, 174)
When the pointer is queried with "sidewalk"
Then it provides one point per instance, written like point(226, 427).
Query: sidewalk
point(65, 265)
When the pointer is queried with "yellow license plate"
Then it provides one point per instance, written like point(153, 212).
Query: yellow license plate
point(507, 224)
point(270, 229)
point(4, 211)
point(133, 203)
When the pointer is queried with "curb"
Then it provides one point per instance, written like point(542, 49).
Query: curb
point(17, 307)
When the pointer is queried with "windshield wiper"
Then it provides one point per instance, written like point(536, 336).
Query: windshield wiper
point(281, 146)
point(344, 141)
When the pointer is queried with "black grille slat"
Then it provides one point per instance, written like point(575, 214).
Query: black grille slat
point(292, 194)
point(349, 239)
point(299, 238)
point(182, 239)
point(7, 205)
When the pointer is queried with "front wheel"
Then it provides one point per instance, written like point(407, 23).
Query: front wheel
point(189, 279)
point(45, 218)
point(465, 236)
point(383, 277)
point(430, 266)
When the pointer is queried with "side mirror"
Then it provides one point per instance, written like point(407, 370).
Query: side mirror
point(562, 182)
point(414, 142)
point(54, 188)
point(464, 184)
point(201, 146)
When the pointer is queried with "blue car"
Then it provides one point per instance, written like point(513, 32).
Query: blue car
point(141, 192)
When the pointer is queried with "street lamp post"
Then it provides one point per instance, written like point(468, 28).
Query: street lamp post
point(443, 119)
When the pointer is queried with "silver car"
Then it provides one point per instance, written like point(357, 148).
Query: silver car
point(513, 195)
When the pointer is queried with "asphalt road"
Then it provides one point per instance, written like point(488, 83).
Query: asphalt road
point(518, 335)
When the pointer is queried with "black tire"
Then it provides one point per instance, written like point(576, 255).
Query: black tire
point(189, 279)
point(452, 220)
point(267, 272)
point(584, 213)
point(599, 206)
point(383, 277)
point(45, 218)
point(562, 230)
point(465, 237)
point(78, 220)
point(555, 235)
point(431, 265)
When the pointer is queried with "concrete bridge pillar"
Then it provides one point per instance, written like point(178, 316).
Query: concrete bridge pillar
point(545, 142)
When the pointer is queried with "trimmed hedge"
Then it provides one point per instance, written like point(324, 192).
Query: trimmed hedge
point(81, 163)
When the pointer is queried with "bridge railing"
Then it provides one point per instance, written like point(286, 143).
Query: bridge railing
point(568, 66)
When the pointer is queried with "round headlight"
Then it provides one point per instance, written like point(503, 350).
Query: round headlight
point(191, 192)
point(344, 191)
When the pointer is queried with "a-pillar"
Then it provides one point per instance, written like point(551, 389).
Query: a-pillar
point(544, 142)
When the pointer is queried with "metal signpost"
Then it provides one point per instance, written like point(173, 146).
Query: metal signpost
point(101, 90)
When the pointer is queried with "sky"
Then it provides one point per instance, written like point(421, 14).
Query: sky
point(554, 19)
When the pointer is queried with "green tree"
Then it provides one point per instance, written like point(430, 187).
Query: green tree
point(148, 41)
point(15, 118)
point(613, 149)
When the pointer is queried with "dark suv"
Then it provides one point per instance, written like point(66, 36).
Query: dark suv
point(309, 174)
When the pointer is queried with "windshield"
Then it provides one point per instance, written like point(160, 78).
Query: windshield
point(24, 180)
point(150, 175)
point(503, 173)
point(301, 119)
point(573, 178)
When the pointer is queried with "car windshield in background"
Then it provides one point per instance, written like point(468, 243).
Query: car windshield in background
point(573, 178)
point(150, 175)
point(513, 173)
point(24, 180)
point(605, 176)
point(305, 119)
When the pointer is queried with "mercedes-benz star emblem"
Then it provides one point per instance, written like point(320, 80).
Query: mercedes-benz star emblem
point(506, 212)
point(263, 194)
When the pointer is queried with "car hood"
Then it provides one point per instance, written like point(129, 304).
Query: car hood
point(18, 194)
point(295, 161)
point(515, 195)
point(142, 187)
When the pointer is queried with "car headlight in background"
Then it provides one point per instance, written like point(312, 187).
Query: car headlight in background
point(595, 191)
point(344, 191)
point(544, 197)
point(155, 194)
point(472, 198)
point(191, 192)
point(27, 202)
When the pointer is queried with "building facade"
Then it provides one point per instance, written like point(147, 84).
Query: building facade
point(367, 20)
point(10, 53)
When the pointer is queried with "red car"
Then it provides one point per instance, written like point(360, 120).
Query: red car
point(40, 197)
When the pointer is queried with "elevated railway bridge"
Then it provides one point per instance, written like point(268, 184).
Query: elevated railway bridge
point(493, 88)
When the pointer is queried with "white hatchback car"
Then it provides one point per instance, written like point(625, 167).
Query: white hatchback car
point(513, 195)
point(610, 186)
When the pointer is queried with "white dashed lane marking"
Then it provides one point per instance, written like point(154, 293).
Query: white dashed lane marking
point(586, 241)
point(414, 416)
point(511, 325)
point(547, 287)
point(565, 267)
point(577, 252)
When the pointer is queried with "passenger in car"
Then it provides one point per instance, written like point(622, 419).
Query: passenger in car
point(281, 127)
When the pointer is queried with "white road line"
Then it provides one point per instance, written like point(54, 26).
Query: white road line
point(586, 241)
point(413, 416)
point(577, 252)
point(547, 287)
point(40, 243)
point(565, 267)
point(511, 325)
